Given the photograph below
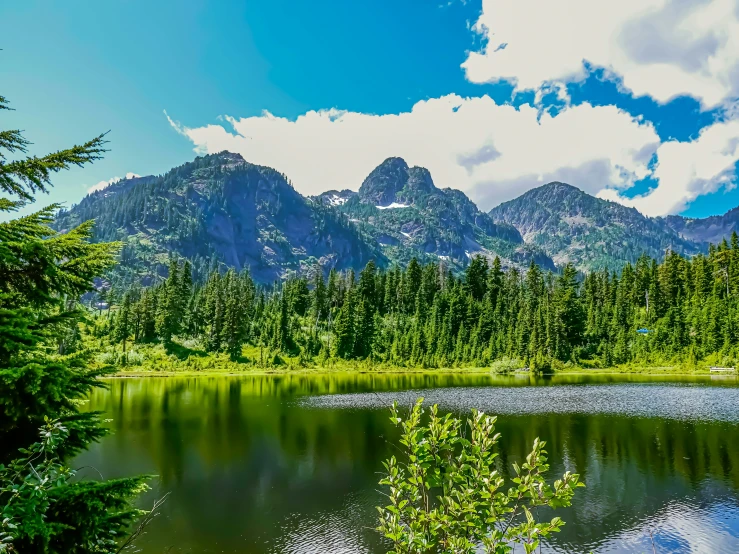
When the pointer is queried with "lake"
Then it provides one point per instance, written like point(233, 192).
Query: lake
point(290, 463)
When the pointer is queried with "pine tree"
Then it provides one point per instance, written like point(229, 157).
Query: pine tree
point(411, 285)
point(495, 283)
point(318, 296)
point(235, 324)
point(42, 274)
point(332, 289)
point(214, 311)
point(185, 296)
point(568, 315)
point(123, 323)
point(173, 303)
point(476, 276)
point(283, 339)
point(344, 328)
point(147, 308)
point(163, 313)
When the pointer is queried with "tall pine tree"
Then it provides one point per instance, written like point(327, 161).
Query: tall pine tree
point(42, 274)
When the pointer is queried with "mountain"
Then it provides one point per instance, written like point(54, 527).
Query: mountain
point(220, 209)
point(711, 229)
point(573, 226)
point(404, 212)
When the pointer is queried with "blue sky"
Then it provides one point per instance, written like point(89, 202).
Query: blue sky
point(403, 77)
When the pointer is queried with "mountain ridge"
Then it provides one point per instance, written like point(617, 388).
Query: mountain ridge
point(409, 216)
point(711, 229)
point(220, 208)
point(575, 227)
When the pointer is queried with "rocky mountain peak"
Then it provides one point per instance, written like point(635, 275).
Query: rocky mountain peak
point(419, 180)
point(226, 156)
point(381, 186)
point(555, 189)
point(572, 226)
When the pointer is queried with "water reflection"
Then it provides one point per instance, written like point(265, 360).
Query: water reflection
point(255, 467)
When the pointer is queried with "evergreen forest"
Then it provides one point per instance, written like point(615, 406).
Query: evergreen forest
point(675, 312)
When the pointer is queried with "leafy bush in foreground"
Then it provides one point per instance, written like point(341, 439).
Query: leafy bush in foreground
point(446, 494)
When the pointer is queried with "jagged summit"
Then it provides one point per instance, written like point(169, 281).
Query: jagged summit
point(394, 182)
point(384, 182)
point(403, 210)
point(227, 155)
point(420, 181)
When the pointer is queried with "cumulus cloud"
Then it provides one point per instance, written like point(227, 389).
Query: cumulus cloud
point(660, 48)
point(105, 184)
point(493, 152)
point(687, 170)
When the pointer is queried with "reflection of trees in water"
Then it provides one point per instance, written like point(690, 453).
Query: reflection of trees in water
point(244, 460)
point(239, 463)
point(633, 467)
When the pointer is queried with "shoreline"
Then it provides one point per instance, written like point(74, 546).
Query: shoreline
point(261, 372)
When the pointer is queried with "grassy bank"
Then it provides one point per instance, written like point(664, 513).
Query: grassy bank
point(187, 358)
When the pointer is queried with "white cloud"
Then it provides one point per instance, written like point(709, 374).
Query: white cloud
point(105, 184)
point(687, 170)
point(661, 48)
point(492, 152)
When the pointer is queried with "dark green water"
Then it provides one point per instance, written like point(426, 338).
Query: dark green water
point(290, 463)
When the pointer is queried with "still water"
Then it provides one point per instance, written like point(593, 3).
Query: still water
point(289, 464)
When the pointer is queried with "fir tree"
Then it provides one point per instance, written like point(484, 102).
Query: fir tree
point(123, 323)
point(42, 274)
point(283, 340)
point(344, 328)
point(235, 323)
point(318, 296)
point(214, 312)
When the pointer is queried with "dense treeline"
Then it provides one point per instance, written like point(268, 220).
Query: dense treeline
point(424, 315)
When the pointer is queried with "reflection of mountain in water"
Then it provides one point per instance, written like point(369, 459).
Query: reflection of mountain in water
point(255, 469)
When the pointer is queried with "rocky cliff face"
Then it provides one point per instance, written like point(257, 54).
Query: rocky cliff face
point(711, 229)
point(221, 209)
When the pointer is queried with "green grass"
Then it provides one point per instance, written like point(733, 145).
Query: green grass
point(189, 357)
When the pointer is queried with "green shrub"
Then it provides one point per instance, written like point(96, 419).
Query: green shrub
point(446, 495)
point(107, 358)
point(505, 365)
point(133, 357)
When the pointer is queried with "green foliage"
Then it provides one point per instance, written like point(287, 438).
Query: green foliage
point(43, 374)
point(44, 511)
point(27, 484)
point(446, 494)
point(505, 365)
